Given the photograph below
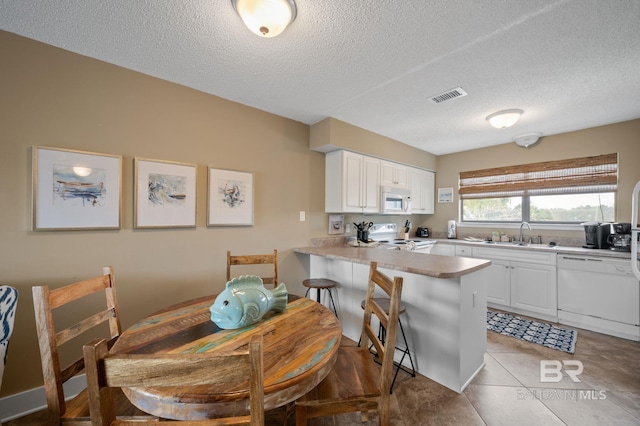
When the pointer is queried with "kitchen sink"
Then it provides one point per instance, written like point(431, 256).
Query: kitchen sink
point(518, 244)
point(507, 243)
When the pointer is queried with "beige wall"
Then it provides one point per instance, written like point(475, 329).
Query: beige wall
point(331, 134)
point(51, 97)
point(623, 138)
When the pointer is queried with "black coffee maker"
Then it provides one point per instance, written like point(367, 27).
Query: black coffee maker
point(620, 240)
point(597, 235)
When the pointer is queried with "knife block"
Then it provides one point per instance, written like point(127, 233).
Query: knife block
point(404, 235)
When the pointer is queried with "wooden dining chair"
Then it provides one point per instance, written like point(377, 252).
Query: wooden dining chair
point(52, 338)
point(104, 372)
point(357, 382)
point(255, 259)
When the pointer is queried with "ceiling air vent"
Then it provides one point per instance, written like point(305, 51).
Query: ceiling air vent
point(448, 95)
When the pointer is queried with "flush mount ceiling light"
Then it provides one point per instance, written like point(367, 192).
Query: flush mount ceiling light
point(504, 119)
point(266, 18)
point(527, 139)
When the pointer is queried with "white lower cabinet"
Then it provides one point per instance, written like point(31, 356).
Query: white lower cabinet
point(464, 251)
point(444, 249)
point(499, 284)
point(522, 281)
point(534, 288)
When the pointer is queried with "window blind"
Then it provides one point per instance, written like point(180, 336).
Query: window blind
point(573, 176)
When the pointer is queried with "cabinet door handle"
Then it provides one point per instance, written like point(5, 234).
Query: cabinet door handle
point(574, 258)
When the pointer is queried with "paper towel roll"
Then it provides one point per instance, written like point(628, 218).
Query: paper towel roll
point(451, 229)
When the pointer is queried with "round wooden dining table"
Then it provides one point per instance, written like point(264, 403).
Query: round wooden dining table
point(299, 350)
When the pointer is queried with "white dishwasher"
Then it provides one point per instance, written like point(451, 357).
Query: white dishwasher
point(599, 294)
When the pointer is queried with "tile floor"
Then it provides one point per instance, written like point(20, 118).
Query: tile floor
point(508, 391)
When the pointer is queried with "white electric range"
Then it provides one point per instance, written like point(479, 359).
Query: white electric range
point(386, 234)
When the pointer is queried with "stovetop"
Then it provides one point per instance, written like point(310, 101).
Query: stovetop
point(387, 234)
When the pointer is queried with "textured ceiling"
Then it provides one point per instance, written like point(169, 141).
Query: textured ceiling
point(375, 64)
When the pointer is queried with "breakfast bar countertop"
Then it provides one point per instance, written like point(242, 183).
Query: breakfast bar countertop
point(435, 266)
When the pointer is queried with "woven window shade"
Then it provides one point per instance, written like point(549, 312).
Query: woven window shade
point(574, 176)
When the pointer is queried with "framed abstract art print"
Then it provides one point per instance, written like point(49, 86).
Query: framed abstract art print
point(165, 194)
point(75, 189)
point(230, 198)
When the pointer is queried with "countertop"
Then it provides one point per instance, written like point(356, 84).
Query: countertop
point(539, 247)
point(416, 263)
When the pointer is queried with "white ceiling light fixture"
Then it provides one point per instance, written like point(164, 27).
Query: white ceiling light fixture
point(266, 18)
point(527, 139)
point(504, 119)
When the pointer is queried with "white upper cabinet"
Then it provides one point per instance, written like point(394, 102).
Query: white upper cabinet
point(352, 183)
point(422, 184)
point(394, 174)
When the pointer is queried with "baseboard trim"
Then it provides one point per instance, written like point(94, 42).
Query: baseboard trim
point(32, 400)
point(473, 376)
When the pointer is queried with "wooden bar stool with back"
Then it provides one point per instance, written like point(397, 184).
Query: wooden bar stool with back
point(357, 382)
point(382, 334)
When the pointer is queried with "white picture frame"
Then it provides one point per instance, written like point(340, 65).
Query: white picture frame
point(75, 190)
point(164, 194)
point(445, 195)
point(230, 200)
point(336, 224)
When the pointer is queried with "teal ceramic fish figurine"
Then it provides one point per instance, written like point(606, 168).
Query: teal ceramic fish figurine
point(245, 301)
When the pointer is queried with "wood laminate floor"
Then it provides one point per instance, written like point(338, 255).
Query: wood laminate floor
point(509, 391)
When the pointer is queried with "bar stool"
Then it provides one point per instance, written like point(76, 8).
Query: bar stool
point(384, 304)
point(321, 284)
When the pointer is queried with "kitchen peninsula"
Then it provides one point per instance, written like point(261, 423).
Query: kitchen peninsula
point(445, 299)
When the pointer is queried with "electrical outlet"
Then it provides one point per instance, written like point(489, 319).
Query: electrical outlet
point(475, 298)
point(302, 216)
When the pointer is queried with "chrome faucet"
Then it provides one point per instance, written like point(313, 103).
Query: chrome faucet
point(521, 225)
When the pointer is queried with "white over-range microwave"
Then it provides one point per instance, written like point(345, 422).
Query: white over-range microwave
point(395, 201)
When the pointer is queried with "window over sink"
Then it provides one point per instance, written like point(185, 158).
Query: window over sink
point(555, 192)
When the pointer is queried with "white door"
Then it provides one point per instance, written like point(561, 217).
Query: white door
point(534, 288)
point(352, 187)
point(394, 174)
point(421, 183)
point(371, 185)
point(499, 283)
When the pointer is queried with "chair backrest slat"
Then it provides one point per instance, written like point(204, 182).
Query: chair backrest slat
point(174, 369)
point(77, 329)
point(255, 259)
point(61, 296)
point(158, 370)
